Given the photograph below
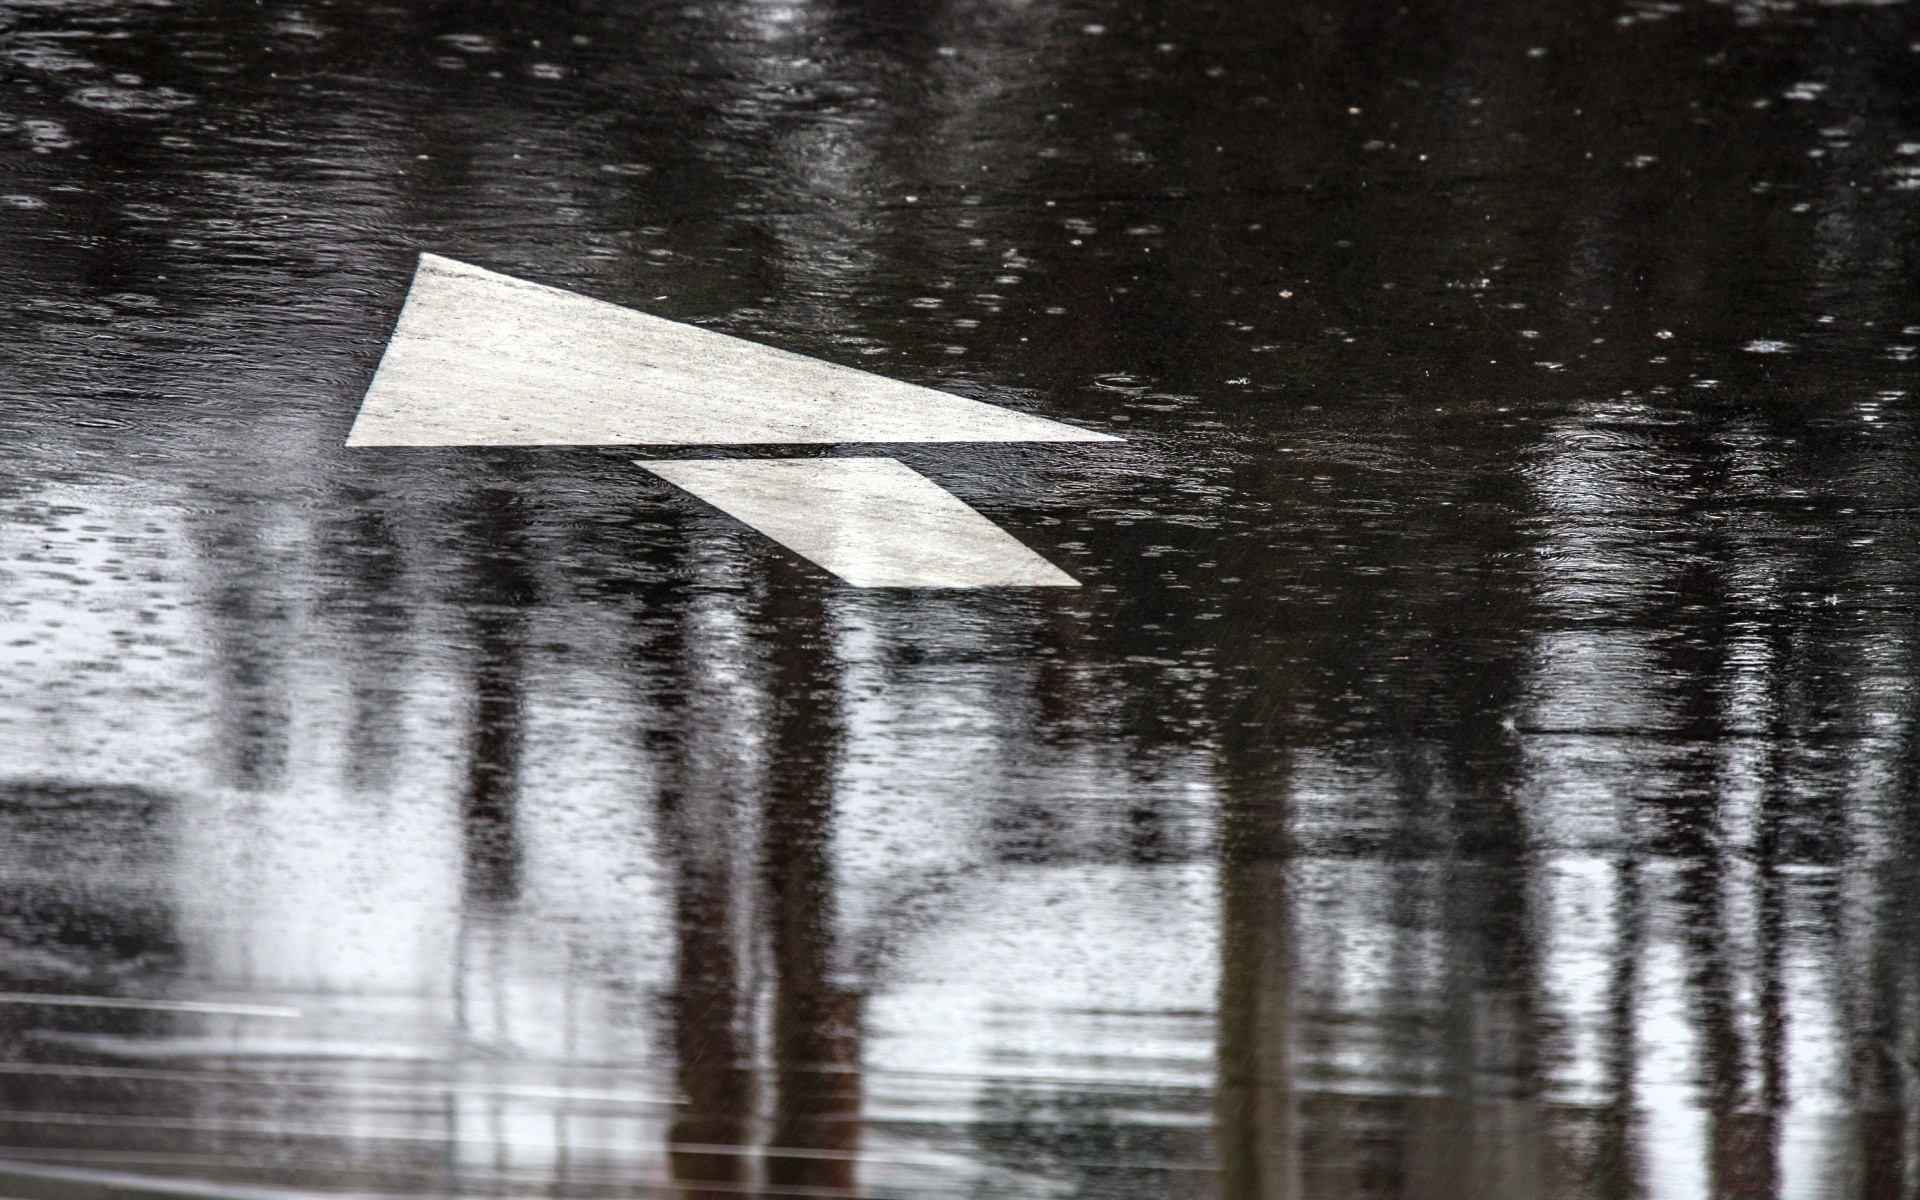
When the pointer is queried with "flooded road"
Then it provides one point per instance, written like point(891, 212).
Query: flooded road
point(1482, 758)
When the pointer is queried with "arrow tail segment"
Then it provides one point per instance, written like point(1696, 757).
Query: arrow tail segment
point(483, 359)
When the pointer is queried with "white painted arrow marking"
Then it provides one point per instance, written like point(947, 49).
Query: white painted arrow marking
point(482, 359)
point(874, 522)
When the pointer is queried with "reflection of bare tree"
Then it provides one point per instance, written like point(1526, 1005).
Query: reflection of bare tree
point(1884, 1005)
point(252, 608)
point(708, 1139)
point(373, 568)
point(813, 1102)
point(701, 812)
point(500, 589)
point(1615, 1167)
point(1257, 1117)
point(816, 1100)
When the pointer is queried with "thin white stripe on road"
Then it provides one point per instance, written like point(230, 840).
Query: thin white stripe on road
point(206, 1007)
point(483, 359)
point(874, 522)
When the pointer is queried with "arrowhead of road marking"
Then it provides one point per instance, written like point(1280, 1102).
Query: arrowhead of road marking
point(483, 359)
point(874, 522)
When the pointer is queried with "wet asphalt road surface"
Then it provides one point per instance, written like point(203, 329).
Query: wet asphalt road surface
point(1482, 758)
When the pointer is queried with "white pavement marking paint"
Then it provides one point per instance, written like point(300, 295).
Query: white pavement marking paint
point(874, 522)
point(206, 1007)
point(482, 359)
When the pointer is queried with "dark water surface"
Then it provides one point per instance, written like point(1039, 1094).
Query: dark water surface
point(1484, 760)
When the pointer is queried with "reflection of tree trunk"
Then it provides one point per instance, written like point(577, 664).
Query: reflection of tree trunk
point(1745, 1076)
point(1255, 1108)
point(493, 764)
point(372, 555)
point(1616, 1162)
point(253, 712)
point(816, 1047)
point(1878, 1015)
point(1742, 1129)
point(1709, 979)
point(1742, 1155)
point(1748, 1143)
point(698, 813)
point(1882, 1016)
point(1884, 1168)
point(501, 590)
point(715, 1083)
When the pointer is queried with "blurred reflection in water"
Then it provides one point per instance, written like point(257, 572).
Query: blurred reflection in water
point(815, 1021)
point(501, 593)
point(1481, 761)
point(701, 801)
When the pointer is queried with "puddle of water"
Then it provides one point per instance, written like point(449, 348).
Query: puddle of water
point(1478, 761)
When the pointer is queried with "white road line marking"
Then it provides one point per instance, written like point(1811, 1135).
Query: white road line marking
point(874, 522)
point(183, 1006)
point(483, 359)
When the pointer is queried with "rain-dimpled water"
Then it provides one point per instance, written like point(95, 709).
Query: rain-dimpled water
point(1473, 750)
